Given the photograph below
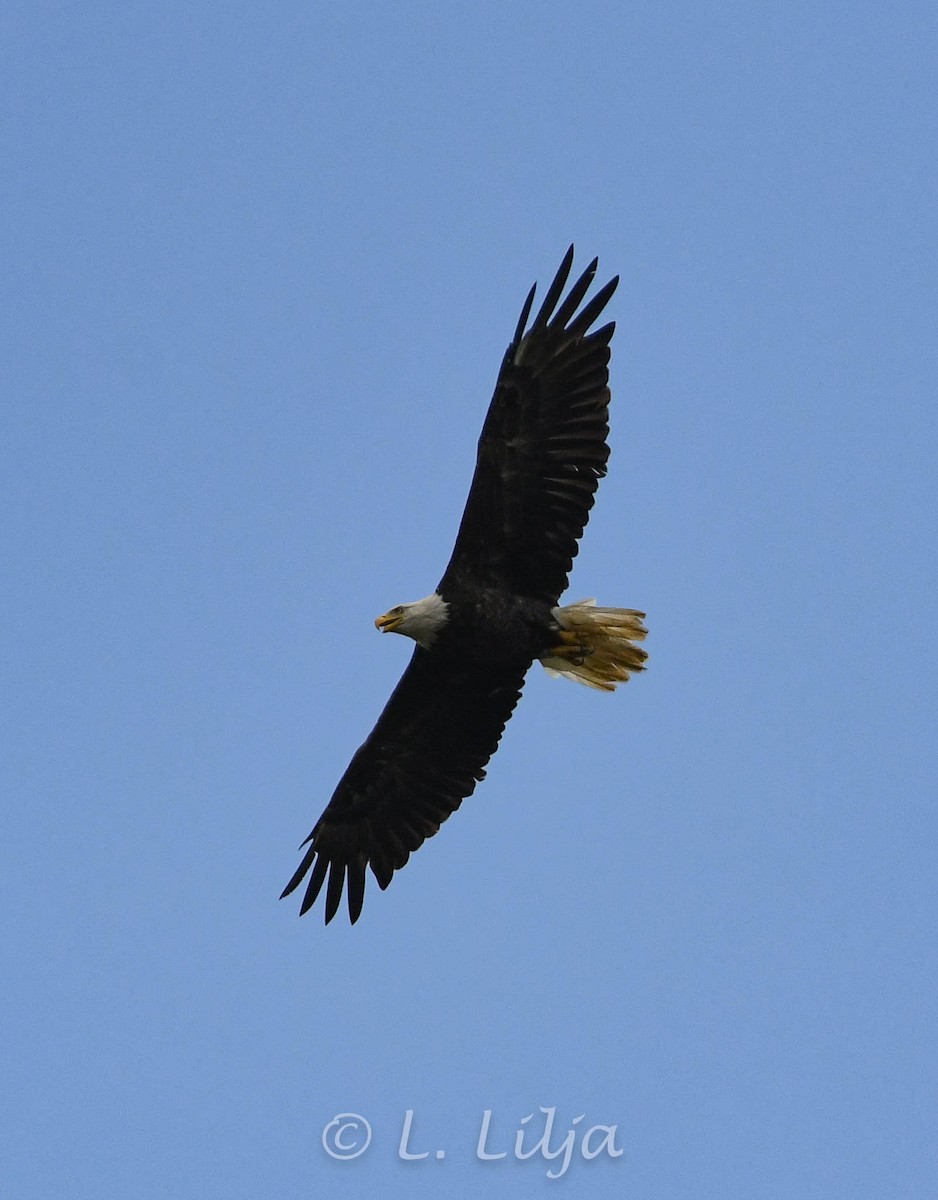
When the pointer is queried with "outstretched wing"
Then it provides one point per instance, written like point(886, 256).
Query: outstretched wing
point(542, 450)
point(424, 756)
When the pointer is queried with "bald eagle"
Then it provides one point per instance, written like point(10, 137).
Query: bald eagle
point(541, 455)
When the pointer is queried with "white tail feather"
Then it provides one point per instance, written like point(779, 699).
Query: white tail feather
point(602, 654)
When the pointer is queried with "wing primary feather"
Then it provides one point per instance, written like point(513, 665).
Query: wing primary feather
point(381, 867)
point(314, 886)
point(525, 313)
point(334, 888)
point(356, 889)
point(553, 292)
point(575, 295)
point(603, 335)
point(301, 869)
point(594, 308)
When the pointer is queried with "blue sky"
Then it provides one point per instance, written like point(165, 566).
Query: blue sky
point(260, 269)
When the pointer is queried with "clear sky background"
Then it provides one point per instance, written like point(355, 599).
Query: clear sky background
point(260, 266)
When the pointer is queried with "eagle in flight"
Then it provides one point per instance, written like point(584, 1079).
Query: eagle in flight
point(540, 457)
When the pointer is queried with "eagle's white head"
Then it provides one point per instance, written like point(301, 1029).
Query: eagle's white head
point(422, 620)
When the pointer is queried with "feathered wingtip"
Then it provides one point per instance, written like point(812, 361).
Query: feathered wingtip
point(546, 315)
point(342, 874)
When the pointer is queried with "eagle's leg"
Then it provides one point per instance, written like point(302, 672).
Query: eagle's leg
point(571, 647)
